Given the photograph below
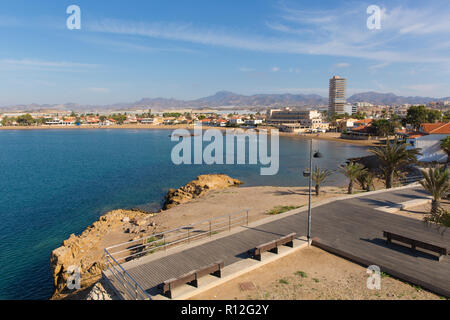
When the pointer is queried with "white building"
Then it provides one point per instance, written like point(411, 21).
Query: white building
point(253, 122)
point(428, 139)
point(311, 119)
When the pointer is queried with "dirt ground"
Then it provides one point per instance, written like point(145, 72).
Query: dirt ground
point(313, 274)
point(259, 200)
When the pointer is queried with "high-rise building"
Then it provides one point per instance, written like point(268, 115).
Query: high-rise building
point(337, 101)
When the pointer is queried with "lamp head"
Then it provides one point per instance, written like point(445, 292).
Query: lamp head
point(318, 155)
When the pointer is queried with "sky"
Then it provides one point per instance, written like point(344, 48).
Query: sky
point(128, 50)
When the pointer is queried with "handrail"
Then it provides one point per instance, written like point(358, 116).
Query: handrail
point(182, 234)
point(179, 228)
point(144, 293)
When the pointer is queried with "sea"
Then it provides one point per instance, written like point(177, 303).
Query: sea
point(54, 183)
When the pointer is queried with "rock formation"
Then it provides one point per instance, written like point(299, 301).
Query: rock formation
point(85, 251)
point(198, 187)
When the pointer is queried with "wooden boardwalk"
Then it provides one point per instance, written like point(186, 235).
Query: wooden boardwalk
point(351, 228)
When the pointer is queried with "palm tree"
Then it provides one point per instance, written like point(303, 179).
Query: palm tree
point(366, 180)
point(352, 170)
point(393, 156)
point(437, 182)
point(319, 176)
point(445, 146)
point(441, 218)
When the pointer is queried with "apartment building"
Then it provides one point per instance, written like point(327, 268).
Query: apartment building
point(337, 95)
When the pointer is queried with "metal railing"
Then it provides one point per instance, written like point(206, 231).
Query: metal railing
point(127, 251)
point(408, 180)
point(132, 289)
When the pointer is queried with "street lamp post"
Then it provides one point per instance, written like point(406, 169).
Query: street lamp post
point(309, 196)
point(316, 155)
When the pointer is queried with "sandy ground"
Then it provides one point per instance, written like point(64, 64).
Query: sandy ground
point(258, 200)
point(312, 274)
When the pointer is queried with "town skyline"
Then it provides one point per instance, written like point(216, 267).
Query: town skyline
point(219, 100)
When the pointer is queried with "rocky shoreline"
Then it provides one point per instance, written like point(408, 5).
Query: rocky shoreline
point(197, 188)
point(85, 251)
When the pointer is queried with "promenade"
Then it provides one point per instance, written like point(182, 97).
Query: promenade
point(351, 227)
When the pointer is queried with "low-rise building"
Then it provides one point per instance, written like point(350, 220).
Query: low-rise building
point(308, 119)
point(428, 139)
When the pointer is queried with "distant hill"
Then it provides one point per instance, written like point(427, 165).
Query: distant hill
point(389, 98)
point(230, 99)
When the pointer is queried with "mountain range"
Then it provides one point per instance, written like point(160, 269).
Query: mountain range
point(228, 99)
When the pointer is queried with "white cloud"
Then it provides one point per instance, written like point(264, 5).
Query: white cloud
point(275, 69)
point(341, 32)
point(342, 65)
point(45, 65)
point(99, 90)
point(428, 89)
point(379, 66)
point(129, 46)
point(245, 69)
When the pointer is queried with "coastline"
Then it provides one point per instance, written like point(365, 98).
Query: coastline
point(120, 226)
point(328, 136)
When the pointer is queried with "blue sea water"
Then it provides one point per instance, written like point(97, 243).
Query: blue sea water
point(57, 182)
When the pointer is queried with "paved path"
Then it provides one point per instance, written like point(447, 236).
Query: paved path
point(352, 226)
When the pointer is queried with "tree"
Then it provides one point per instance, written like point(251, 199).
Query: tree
point(319, 176)
point(437, 182)
point(392, 157)
point(441, 217)
point(416, 115)
point(352, 170)
point(25, 120)
point(446, 116)
point(366, 181)
point(384, 127)
point(359, 115)
point(445, 146)
point(434, 116)
point(6, 121)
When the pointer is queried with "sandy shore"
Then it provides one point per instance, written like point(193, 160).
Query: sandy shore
point(312, 274)
point(329, 136)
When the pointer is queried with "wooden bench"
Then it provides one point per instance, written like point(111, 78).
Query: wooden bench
point(192, 277)
point(415, 244)
point(272, 246)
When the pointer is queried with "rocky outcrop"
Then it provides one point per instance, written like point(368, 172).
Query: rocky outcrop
point(197, 188)
point(101, 291)
point(85, 252)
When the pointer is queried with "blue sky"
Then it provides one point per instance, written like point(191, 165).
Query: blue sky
point(127, 50)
